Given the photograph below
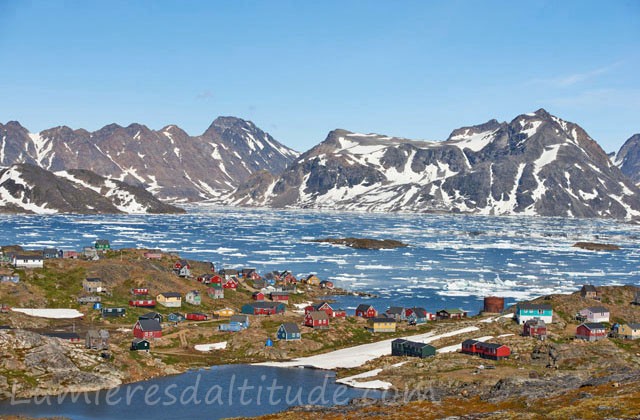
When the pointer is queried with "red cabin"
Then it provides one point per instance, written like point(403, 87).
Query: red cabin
point(143, 303)
point(322, 306)
point(147, 328)
point(316, 319)
point(486, 350)
point(469, 346)
point(339, 313)
point(197, 317)
point(280, 296)
point(591, 331)
point(366, 311)
point(139, 291)
point(535, 328)
point(153, 255)
point(257, 296)
point(230, 284)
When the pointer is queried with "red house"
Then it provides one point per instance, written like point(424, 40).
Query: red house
point(535, 328)
point(147, 328)
point(366, 311)
point(339, 313)
point(196, 316)
point(492, 351)
point(279, 296)
point(317, 319)
point(143, 303)
point(591, 331)
point(257, 296)
point(181, 264)
point(326, 284)
point(322, 306)
point(231, 284)
point(469, 346)
point(153, 255)
point(140, 291)
point(288, 278)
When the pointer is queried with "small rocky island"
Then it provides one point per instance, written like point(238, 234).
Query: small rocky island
point(364, 243)
point(594, 246)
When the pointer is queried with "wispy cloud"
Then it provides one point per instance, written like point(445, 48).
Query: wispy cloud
point(576, 78)
point(205, 95)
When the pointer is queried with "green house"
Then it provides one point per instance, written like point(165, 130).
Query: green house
point(401, 347)
point(526, 311)
point(102, 245)
point(140, 344)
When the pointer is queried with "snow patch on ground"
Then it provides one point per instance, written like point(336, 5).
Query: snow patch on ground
point(50, 313)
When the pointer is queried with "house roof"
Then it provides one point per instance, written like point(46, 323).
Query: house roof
point(93, 279)
point(310, 276)
point(491, 345)
point(263, 305)
point(363, 307)
point(589, 288)
point(453, 311)
point(420, 312)
point(290, 328)
point(170, 294)
point(470, 342)
point(396, 310)
point(593, 326)
point(178, 314)
point(318, 315)
point(150, 315)
point(239, 318)
point(149, 325)
point(537, 322)
point(634, 326)
point(317, 306)
point(416, 345)
point(599, 309)
point(527, 305)
point(383, 320)
point(138, 340)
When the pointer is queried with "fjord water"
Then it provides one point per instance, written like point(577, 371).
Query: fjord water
point(451, 261)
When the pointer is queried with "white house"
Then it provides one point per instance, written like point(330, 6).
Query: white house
point(595, 314)
point(28, 261)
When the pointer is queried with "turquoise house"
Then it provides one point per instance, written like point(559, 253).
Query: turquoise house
point(527, 311)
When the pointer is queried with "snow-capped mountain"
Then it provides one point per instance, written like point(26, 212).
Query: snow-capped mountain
point(628, 158)
point(168, 162)
point(26, 188)
point(537, 164)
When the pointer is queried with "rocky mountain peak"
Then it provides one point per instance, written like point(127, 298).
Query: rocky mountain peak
point(628, 158)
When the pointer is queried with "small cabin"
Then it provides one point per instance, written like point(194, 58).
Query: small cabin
point(288, 332)
point(589, 291)
point(257, 296)
point(366, 311)
point(263, 308)
point(451, 313)
point(139, 291)
point(113, 312)
point(28, 261)
point(326, 284)
point(92, 285)
point(193, 297)
point(214, 293)
point(591, 331)
point(224, 312)
point(397, 312)
point(381, 324)
point(50, 253)
point(536, 328)
point(147, 328)
point(140, 344)
point(317, 320)
point(175, 317)
point(152, 315)
point(102, 245)
point(97, 339)
point(143, 303)
point(197, 316)
point(182, 268)
point(280, 297)
point(170, 299)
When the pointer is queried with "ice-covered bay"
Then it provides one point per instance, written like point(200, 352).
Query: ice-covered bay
point(451, 261)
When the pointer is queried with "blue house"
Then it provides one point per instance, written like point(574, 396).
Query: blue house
point(288, 331)
point(526, 311)
point(236, 323)
point(175, 317)
point(418, 316)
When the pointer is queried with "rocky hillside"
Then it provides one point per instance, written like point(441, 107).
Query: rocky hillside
point(26, 188)
point(169, 163)
point(536, 164)
point(628, 158)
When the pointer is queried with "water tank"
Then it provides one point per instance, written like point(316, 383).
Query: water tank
point(97, 306)
point(493, 304)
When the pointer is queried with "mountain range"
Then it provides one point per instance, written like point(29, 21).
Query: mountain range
point(168, 162)
point(26, 188)
point(536, 164)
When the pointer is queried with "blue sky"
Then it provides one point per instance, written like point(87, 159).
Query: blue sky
point(298, 69)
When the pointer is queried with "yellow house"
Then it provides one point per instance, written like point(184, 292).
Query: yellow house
point(313, 280)
point(224, 312)
point(381, 324)
point(170, 299)
point(629, 331)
